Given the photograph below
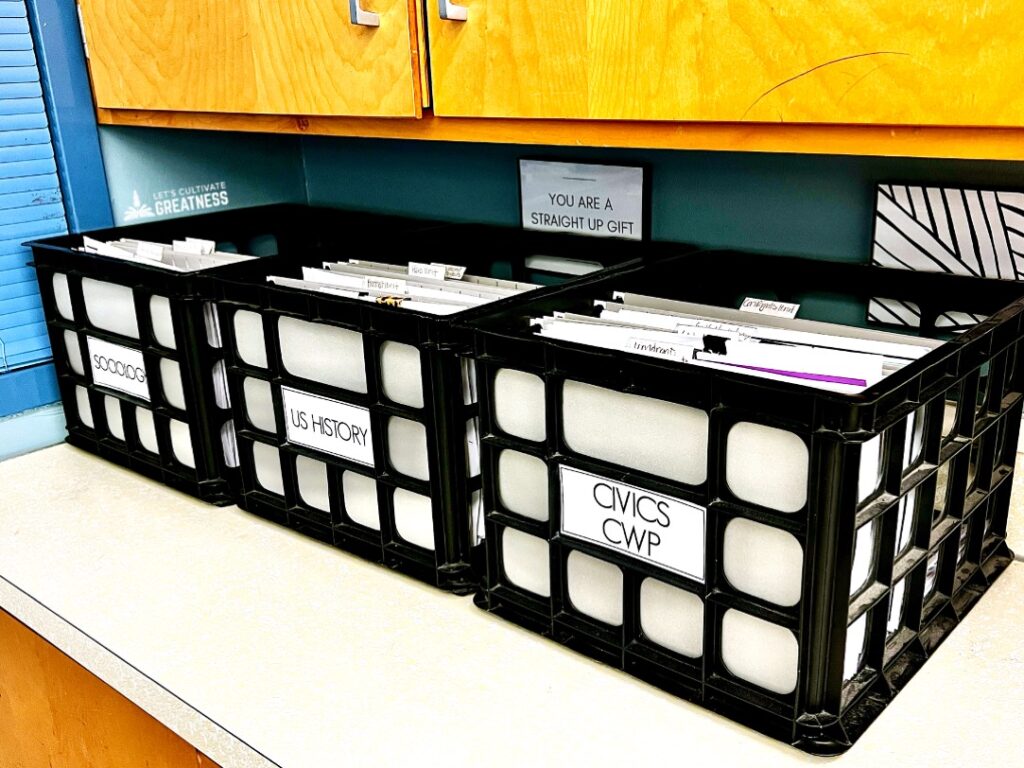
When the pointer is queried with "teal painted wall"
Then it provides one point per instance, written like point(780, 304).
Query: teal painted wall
point(809, 205)
point(165, 173)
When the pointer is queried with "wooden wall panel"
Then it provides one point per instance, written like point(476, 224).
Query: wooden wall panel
point(56, 714)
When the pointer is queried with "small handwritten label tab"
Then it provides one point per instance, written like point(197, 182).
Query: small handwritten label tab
point(428, 271)
point(642, 524)
point(768, 307)
point(662, 349)
point(389, 284)
point(451, 271)
point(117, 367)
point(326, 425)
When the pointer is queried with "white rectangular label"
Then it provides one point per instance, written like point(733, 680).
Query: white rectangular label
point(645, 525)
point(384, 284)
point(451, 271)
point(429, 271)
point(678, 352)
point(117, 367)
point(597, 200)
point(326, 425)
point(767, 307)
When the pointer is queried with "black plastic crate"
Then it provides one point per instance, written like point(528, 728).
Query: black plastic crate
point(170, 425)
point(401, 488)
point(825, 543)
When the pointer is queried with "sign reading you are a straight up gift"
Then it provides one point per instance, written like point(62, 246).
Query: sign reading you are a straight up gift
point(584, 199)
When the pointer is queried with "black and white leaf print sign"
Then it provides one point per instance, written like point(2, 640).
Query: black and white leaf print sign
point(978, 233)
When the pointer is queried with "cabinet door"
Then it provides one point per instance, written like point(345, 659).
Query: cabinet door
point(940, 62)
point(301, 57)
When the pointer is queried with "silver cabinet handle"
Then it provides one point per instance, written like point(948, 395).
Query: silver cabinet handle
point(361, 17)
point(451, 11)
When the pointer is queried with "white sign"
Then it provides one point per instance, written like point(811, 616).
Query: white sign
point(117, 367)
point(392, 285)
point(767, 307)
point(451, 271)
point(666, 351)
point(326, 425)
point(184, 199)
point(598, 200)
point(645, 525)
point(429, 271)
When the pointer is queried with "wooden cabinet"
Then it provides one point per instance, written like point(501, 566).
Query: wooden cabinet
point(941, 62)
point(54, 713)
point(304, 57)
point(874, 77)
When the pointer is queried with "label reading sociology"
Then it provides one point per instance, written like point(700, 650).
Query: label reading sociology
point(327, 425)
point(657, 529)
point(117, 367)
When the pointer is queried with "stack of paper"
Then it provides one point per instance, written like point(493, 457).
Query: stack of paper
point(188, 255)
point(822, 355)
point(438, 289)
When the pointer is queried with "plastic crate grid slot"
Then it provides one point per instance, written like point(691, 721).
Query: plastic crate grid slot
point(358, 421)
point(148, 331)
point(177, 427)
point(590, 458)
point(361, 430)
point(163, 408)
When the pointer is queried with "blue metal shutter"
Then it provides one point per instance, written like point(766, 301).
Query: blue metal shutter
point(31, 205)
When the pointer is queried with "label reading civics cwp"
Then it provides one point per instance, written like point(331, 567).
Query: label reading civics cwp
point(327, 425)
point(117, 367)
point(657, 529)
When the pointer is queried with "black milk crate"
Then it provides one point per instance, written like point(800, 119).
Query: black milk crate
point(173, 425)
point(824, 543)
point(400, 487)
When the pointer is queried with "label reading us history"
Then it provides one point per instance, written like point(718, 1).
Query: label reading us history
point(327, 425)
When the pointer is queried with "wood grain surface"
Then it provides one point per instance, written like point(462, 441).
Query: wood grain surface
point(252, 56)
point(942, 62)
point(56, 714)
point(878, 140)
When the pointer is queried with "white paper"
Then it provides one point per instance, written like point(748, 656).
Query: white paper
point(657, 529)
point(149, 250)
point(229, 444)
point(330, 426)
point(103, 249)
point(821, 355)
point(204, 247)
point(117, 367)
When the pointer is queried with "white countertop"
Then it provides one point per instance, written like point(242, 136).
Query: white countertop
point(261, 647)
